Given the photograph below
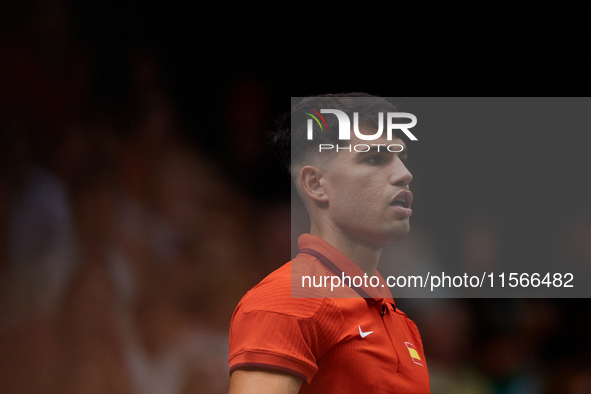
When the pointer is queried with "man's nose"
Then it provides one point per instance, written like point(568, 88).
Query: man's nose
point(401, 176)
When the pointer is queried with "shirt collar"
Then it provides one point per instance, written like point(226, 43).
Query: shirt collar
point(338, 263)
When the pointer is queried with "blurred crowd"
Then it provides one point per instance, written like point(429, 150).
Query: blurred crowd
point(124, 249)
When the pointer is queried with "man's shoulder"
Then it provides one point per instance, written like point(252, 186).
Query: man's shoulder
point(274, 293)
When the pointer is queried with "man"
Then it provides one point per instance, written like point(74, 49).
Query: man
point(287, 336)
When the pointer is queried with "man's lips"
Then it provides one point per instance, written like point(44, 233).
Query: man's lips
point(401, 203)
point(402, 199)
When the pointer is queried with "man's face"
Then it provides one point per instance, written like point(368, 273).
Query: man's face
point(368, 192)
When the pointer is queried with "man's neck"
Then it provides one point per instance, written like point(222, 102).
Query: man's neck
point(365, 256)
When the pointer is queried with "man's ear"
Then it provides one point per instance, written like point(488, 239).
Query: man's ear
point(312, 183)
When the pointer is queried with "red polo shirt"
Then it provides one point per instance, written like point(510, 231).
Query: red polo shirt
point(341, 345)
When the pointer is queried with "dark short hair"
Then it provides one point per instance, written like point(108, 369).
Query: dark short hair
point(290, 139)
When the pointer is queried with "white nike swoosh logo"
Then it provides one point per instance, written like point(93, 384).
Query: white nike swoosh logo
point(364, 334)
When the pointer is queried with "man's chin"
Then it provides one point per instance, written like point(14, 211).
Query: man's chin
point(394, 234)
point(401, 231)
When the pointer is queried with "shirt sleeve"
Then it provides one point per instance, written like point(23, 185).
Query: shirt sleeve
point(271, 340)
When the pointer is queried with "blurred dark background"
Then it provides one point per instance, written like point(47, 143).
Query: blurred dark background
point(139, 201)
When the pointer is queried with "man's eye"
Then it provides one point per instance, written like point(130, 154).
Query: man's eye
point(377, 159)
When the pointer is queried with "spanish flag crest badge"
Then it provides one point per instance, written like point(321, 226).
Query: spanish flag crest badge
point(414, 354)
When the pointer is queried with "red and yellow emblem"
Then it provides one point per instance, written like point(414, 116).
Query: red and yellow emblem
point(414, 354)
